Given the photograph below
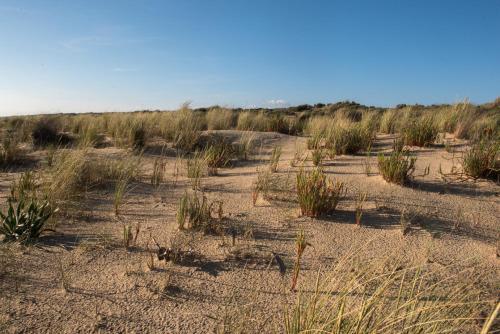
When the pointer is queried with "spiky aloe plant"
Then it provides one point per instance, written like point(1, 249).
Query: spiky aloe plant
point(317, 194)
point(25, 223)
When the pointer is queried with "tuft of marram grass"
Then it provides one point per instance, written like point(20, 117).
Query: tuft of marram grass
point(317, 157)
point(396, 168)
point(195, 213)
point(481, 159)
point(10, 152)
point(317, 194)
point(196, 168)
point(275, 158)
point(409, 300)
point(420, 132)
point(74, 172)
point(219, 119)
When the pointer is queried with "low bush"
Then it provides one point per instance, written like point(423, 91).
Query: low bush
point(25, 222)
point(396, 168)
point(481, 159)
point(46, 132)
point(317, 194)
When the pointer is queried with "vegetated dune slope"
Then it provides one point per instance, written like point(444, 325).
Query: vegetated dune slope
point(82, 279)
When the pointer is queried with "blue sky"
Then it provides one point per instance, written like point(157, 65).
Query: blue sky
point(75, 56)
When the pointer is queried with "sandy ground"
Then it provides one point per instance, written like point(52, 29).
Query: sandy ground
point(81, 278)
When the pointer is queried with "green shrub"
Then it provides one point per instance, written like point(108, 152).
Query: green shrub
point(25, 223)
point(317, 194)
point(398, 167)
point(46, 132)
point(420, 132)
point(481, 159)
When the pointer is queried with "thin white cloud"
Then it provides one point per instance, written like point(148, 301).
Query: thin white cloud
point(277, 103)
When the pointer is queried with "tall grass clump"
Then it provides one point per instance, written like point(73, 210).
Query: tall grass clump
point(185, 129)
point(388, 121)
point(421, 299)
point(275, 158)
point(10, 152)
point(347, 137)
point(398, 167)
point(317, 129)
point(317, 157)
point(244, 147)
point(25, 188)
point(317, 194)
point(158, 176)
point(217, 154)
point(420, 131)
point(46, 132)
point(253, 121)
point(196, 213)
point(461, 120)
point(74, 173)
point(219, 119)
point(481, 159)
point(121, 188)
point(196, 168)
